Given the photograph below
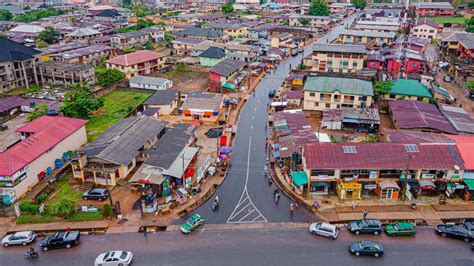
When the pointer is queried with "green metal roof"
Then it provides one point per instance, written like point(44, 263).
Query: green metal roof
point(299, 178)
point(342, 85)
point(469, 183)
point(410, 87)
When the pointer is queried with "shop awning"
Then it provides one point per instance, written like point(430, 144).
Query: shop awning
point(299, 178)
point(469, 183)
point(427, 184)
point(320, 184)
point(388, 184)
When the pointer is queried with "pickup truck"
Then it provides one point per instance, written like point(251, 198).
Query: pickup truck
point(60, 240)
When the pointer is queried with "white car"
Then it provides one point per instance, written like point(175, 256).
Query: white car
point(324, 229)
point(19, 238)
point(116, 257)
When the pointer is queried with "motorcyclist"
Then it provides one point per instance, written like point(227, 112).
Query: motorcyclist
point(216, 200)
point(31, 251)
point(292, 208)
point(276, 191)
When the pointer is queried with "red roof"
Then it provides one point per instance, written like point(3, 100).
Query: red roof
point(465, 145)
point(47, 132)
point(135, 58)
point(381, 156)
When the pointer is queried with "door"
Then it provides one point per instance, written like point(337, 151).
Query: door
point(196, 117)
point(389, 193)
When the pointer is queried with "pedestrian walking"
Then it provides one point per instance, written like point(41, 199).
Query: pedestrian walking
point(145, 231)
point(292, 208)
point(365, 214)
point(353, 205)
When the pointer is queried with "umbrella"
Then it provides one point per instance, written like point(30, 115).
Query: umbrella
point(225, 149)
point(223, 156)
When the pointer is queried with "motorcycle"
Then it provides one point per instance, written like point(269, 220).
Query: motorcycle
point(277, 197)
point(31, 255)
point(215, 205)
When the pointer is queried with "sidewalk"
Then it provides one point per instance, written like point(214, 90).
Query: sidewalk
point(431, 214)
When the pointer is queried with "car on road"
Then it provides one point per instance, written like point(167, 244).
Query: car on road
point(99, 194)
point(324, 229)
point(442, 64)
point(19, 238)
point(272, 93)
point(66, 239)
point(114, 258)
point(192, 223)
point(454, 231)
point(365, 226)
point(366, 247)
point(400, 229)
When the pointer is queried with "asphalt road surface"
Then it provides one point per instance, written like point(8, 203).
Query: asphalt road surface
point(282, 246)
point(246, 196)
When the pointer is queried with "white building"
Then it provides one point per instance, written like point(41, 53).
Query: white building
point(150, 83)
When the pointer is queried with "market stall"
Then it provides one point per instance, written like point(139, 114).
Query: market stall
point(349, 190)
point(387, 189)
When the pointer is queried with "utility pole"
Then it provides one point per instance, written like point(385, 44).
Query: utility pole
point(107, 184)
point(405, 183)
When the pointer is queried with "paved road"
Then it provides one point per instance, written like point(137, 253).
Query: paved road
point(245, 196)
point(281, 246)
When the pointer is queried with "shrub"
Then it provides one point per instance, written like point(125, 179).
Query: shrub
point(66, 208)
point(107, 210)
point(29, 207)
point(42, 197)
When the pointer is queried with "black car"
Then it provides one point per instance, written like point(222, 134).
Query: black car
point(99, 194)
point(366, 226)
point(366, 247)
point(454, 231)
point(272, 93)
point(60, 240)
point(469, 224)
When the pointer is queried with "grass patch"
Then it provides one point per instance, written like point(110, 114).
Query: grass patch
point(441, 20)
point(85, 216)
point(35, 219)
point(116, 106)
point(65, 193)
point(17, 92)
point(372, 139)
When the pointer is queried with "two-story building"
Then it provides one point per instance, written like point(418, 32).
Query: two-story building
point(369, 38)
point(84, 35)
point(200, 33)
point(92, 54)
point(129, 39)
point(235, 30)
point(321, 93)
point(312, 21)
point(425, 9)
point(342, 58)
point(62, 73)
point(425, 28)
point(184, 46)
point(139, 63)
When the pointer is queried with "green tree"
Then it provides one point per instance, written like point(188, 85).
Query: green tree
point(142, 23)
point(5, 15)
point(149, 45)
point(199, 24)
point(107, 210)
point(227, 8)
point(470, 5)
point(79, 102)
point(48, 35)
point(38, 14)
point(456, 3)
point(318, 8)
point(39, 111)
point(304, 21)
point(168, 36)
point(361, 4)
point(40, 44)
point(382, 88)
point(66, 208)
point(109, 77)
point(138, 10)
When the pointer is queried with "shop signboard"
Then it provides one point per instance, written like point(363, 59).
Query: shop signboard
point(5, 181)
point(370, 186)
point(188, 181)
point(373, 174)
point(351, 186)
point(197, 112)
point(429, 176)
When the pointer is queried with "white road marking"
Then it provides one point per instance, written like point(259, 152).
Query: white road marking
point(251, 127)
point(250, 207)
point(253, 117)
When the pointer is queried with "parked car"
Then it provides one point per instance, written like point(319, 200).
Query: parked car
point(192, 223)
point(19, 238)
point(447, 78)
point(400, 229)
point(99, 194)
point(469, 224)
point(116, 257)
point(365, 226)
point(454, 231)
point(324, 229)
point(366, 247)
point(60, 240)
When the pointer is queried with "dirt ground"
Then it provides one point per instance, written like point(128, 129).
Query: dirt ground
point(461, 99)
point(9, 136)
point(193, 78)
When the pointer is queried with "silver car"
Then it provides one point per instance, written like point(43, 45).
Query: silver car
point(324, 229)
point(19, 238)
point(116, 258)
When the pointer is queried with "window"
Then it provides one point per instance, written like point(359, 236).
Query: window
point(322, 172)
point(411, 148)
point(206, 116)
point(349, 149)
point(416, 30)
point(328, 105)
point(312, 94)
point(393, 96)
point(354, 64)
point(414, 64)
point(316, 104)
point(130, 165)
point(329, 63)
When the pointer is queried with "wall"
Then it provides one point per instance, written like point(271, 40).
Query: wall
point(315, 103)
point(336, 66)
point(424, 31)
point(73, 142)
